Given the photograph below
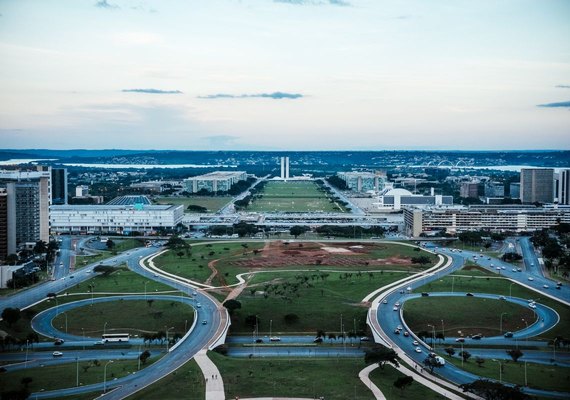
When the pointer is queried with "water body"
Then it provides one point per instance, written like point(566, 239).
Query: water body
point(147, 166)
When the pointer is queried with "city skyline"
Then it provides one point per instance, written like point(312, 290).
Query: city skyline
point(284, 75)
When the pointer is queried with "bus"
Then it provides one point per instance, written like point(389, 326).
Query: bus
point(115, 337)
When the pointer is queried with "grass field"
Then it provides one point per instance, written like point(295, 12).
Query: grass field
point(293, 196)
point(187, 382)
point(334, 379)
point(212, 203)
point(385, 378)
point(470, 315)
point(540, 376)
point(64, 375)
point(112, 318)
point(502, 286)
point(317, 302)
point(123, 281)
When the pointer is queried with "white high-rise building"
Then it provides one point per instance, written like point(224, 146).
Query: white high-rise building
point(284, 168)
point(564, 187)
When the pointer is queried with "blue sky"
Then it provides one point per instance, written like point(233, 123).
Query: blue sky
point(285, 74)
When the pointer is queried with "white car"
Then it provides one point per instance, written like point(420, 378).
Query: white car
point(395, 308)
point(530, 278)
point(514, 270)
point(418, 350)
point(275, 339)
point(198, 305)
point(385, 302)
point(57, 354)
point(397, 304)
point(532, 306)
point(545, 286)
point(415, 343)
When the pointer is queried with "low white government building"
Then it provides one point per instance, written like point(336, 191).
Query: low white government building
point(118, 219)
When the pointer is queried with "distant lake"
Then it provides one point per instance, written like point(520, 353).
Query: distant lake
point(511, 168)
point(148, 166)
point(16, 161)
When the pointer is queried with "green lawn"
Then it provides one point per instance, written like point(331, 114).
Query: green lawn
point(317, 302)
point(293, 196)
point(470, 315)
point(502, 286)
point(65, 375)
point(212, 203)
point(186, 382)
point(540, 376)
point(385, 378)
point(194, 265)
point(334, 379)
point(141, 317)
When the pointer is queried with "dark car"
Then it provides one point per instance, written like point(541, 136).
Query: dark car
point(469, 294)
point(425, 294)
point(318, 340)
point(59, 342)
point(508, 335)
point(477, 336)
point(258, 340)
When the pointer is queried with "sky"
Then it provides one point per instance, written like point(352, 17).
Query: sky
point(285, 74)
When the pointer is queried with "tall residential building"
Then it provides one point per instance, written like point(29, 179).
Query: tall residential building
point(27, 206)
point(59, 186)
point(284, 167)
point(537, 185)
point(564, 187)
point(3, 225)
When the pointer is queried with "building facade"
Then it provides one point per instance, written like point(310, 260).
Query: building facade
point(58, 186)
point(564, 187)
point(537, 185)
point(284, 168)
point(469, 190)
point(363, 181)
point(219, 181)
point(491, 218)
point(117, 219)
point(515, 190)
point(494, 189)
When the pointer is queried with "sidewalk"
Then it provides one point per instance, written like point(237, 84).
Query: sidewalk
point(363, 375)
point(214, 381)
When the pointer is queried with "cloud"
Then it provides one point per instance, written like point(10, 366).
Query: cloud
point(106, 4)
point(563, 86)
point(218, 141)
point(555, 105)
point(274, 95)
point(151, 91)
point(342, 3)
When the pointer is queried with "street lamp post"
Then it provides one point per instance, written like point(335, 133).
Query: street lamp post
point(501, 322)
point(511, 290)
point(77, 372)
point(169, 329)
point(526, 337)
point(105, 376)
point(65, 321)
point(105, 328)
point(146, 283)
point(500, 371)
point(27, 346)
point(525, 378)
point(433, 337)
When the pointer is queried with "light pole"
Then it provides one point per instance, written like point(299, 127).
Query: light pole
point(77, 372)
point(452, 283)
point(105, 328)
point(105, 376)
point(500, 371)
point(501, 322)
point(169, 329)
point(461, 355)
point(433, 331)
point(27, 345)
point(554, 348)
point(526, 336)
point(146, 283)
point(525, 379)
point(511, 290)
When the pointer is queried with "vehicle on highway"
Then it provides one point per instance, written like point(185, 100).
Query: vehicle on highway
point(469, 294)
point(258, 340)
point(530, 278)
point(418, 350)
point(274, 339)
point(397, 331)
point(57, 354)
point(514, 270)
point(198, 305)
point(415, 343)
point(502, 298)
point(425, 294)
point(364, 339)
point(318, 340)
point(519, 269)
point(397, 304)
point(115, 337)
point(545, 286)
point(508, 335)
point(532, 305)
point(59, 342)
point(385, 301)
point(204, 322)
point(478, 336)
point(194, 294)
point(99, 343)
point(460, 340)
point(395, 308)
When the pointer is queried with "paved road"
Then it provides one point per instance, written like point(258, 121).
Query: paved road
point(390, 319)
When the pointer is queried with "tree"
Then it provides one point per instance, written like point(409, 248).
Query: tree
point(433, 362)
point(110, 244)
point(331, 337)
point(40, 247)
point(291, 319)
point(423, 334)
point(465, 355)
point(232, 305)
point(381, 355)
point(11, 315)
point(149, 302)
point(144, 356)
point(180, 254)
point(491, 390)
point(480, 361)
point(515, 354)
point(403, 382)
point(450, 351)
point(440, 336)
point(298, 230)
point(252, 321)
point(421, 260)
